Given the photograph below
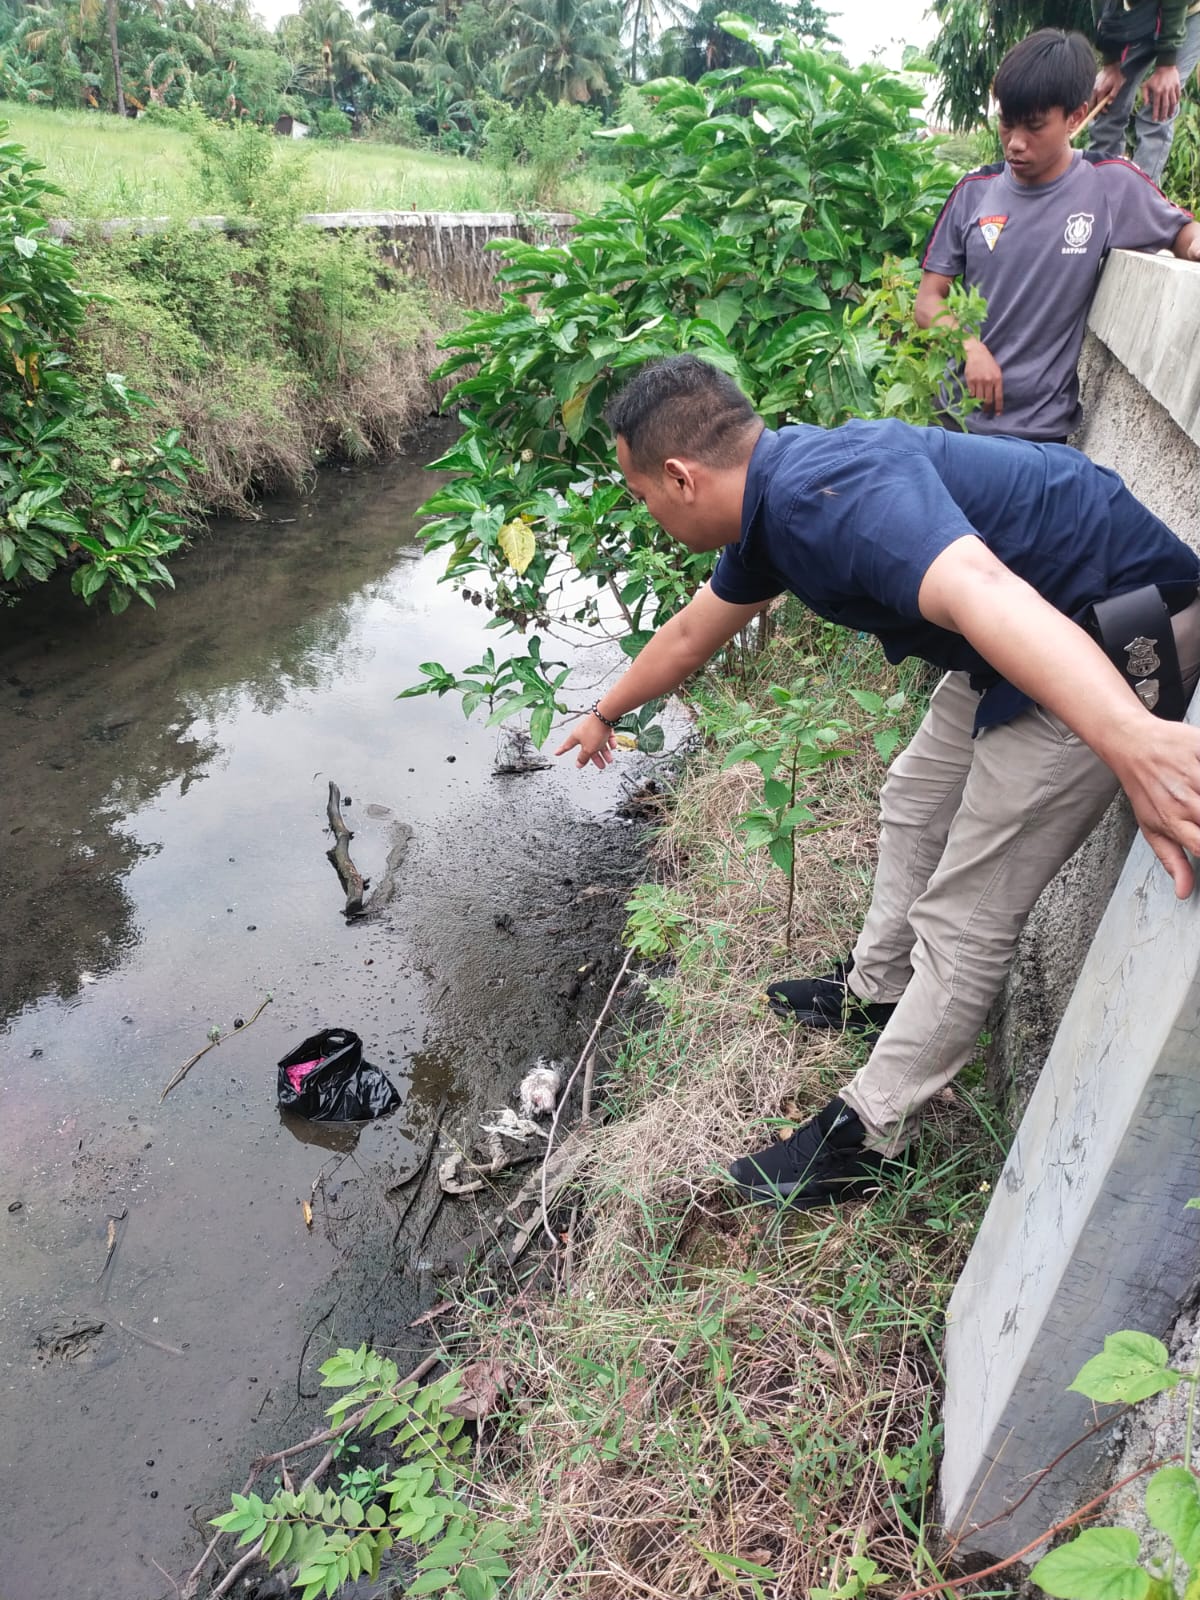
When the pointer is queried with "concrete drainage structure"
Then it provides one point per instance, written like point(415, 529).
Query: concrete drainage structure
point(1087, 1232)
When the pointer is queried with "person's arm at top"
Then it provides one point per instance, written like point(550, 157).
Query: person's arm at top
point(981, 372)
point(677, 649)
point(1051, 659)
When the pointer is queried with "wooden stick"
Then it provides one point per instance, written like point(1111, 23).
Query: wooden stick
point(1101, 105)
point(352, 879)
point(583, 1059)
point(212, 1043)
point(146, 1338)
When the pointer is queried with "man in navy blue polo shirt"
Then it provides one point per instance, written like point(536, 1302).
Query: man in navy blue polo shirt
point(981, 556)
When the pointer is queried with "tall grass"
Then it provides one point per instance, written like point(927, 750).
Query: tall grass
point(724, 1400)
point(109, 167)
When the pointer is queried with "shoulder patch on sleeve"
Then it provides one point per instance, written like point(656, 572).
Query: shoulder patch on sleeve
point(992, 171)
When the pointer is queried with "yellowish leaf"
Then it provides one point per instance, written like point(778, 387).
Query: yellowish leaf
point(626, 741)
point(516, 540)
point(573, 413)
point(308, 1214)
point(19, 363)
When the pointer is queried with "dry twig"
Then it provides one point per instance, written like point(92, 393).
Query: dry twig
point(211, 1045)
point(585, 1059)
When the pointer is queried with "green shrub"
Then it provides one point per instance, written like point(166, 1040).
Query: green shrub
point(274, 347)
point(541, 140)
point(82, 484)
point(770, 228)
point(333, 124)
point(246, 172)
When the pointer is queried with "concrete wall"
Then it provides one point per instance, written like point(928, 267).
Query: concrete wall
point(1140, 376)
point(448, 250)
point(1055, 1258)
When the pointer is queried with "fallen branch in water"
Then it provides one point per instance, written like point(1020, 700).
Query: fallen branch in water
point(217, 1038)
point(351, 878)
point(148, 1338)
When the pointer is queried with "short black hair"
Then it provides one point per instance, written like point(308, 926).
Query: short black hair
point(1049, 69)
point(682, 406)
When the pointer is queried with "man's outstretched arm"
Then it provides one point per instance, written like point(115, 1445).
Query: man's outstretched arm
point(1044, 653)
point(680, 646)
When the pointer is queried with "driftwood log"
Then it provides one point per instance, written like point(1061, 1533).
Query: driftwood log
point(352, 879)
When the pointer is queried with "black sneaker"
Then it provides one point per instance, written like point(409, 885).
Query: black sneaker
point(825, 1160)
point(828, 1003)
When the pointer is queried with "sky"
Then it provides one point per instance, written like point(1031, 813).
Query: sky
point(867, 26)
point(864, 26)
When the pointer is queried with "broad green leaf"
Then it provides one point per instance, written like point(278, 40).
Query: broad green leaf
point(518, 543)
point(1132, 1366)
point(475, 1585)
point(781, 853)
point(1173, 1506)
point(430, 1582)
point(1101, 1564)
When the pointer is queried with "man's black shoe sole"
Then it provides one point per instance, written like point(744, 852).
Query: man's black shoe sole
point(810, 1199)
point(819, 1020)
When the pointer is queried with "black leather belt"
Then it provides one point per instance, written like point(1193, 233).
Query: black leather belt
point(1134, 631)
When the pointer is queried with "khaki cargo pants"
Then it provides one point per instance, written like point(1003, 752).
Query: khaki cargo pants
point(972, 831)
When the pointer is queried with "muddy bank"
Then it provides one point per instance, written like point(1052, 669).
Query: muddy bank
point(164, 868)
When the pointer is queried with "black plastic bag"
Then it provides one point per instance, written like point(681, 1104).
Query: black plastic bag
point(341, 1087)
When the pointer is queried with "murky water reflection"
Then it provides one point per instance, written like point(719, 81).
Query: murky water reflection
point(162, 868)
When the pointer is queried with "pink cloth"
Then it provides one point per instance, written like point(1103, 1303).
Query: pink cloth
point(297, 1074)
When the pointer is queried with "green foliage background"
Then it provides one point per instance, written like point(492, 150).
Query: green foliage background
point(770, 228)
point(194, 369)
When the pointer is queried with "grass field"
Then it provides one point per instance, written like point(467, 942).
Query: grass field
point(109, 167)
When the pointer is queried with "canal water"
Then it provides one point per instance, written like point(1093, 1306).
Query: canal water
point(164, 1305)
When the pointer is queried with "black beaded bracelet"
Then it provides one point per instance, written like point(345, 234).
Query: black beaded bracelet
point(595, 711)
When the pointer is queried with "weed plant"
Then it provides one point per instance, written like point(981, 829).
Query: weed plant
point(724, 1399)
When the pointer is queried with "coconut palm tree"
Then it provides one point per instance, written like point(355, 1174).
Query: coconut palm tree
point(348, 54)
point(565, 49)
point(645, 21)
point(114, 47)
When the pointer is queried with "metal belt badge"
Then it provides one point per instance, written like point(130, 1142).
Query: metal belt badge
point(1143, 657)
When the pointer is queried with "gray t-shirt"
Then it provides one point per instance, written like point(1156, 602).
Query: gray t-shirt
point(1035, 252)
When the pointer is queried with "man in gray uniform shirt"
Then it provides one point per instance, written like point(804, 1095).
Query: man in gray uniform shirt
point(1031, 233)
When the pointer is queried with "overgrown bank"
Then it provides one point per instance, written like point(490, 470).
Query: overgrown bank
point(720, 1400)
point(153, 378)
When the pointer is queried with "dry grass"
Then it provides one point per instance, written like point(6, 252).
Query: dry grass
point(724, 1402)
point(259, 426)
